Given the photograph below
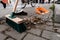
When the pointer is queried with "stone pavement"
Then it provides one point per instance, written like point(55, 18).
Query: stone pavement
point(7, 33)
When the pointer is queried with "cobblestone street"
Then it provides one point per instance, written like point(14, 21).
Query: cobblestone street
point(8, 33)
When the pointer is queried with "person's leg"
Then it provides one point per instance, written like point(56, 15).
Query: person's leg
point(23, 1)
point(48, 1)
point(0, 1)
point(42, 1)
point(28, 1)
point(4, 5)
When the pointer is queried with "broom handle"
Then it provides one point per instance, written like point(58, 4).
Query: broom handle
point(16, 3)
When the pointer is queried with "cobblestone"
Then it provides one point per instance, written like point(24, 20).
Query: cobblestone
point(3, 27)
point(55, 36)
point(35, 31)
point(9, 39)
point(50, 28)
point(2, 36)
point(15, 34)
point(47, 34)
point(32, 37)
point(58, 30)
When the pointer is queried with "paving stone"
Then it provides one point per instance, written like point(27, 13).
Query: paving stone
point(13, 33)
point(49, 23)
point(50, 28)
point(35, 31)
point(51, 35)
point(41, 26)
point(10, 39)
point(58, 30)
point(47, 34)
point(55, 36)
point(58, 25)
point(3, 27)
point(57, 17)
point(50, 20)
point(2, 36)
point(32, 37)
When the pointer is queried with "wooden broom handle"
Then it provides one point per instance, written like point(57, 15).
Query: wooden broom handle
point(16, 3)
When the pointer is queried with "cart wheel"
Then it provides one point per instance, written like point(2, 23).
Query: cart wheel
point(24, 6)
point(32, 4)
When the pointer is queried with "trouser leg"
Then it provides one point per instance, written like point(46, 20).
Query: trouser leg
point(4, 5)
